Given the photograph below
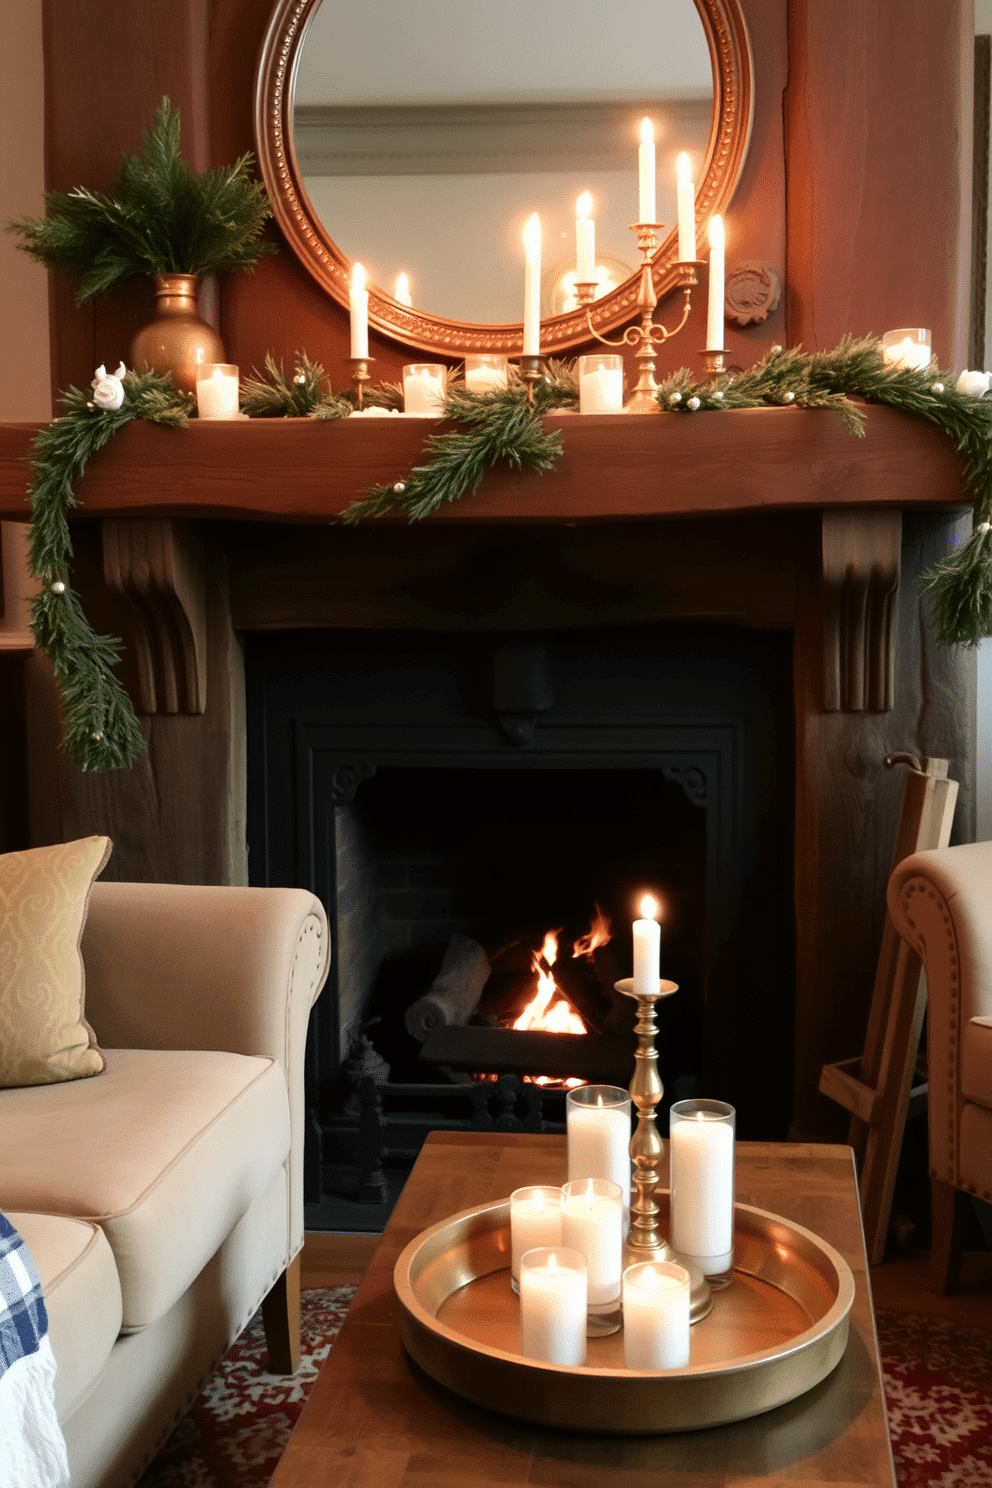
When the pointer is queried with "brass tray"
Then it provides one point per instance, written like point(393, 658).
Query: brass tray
point(774, 1334)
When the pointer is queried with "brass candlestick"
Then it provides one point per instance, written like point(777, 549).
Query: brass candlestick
point(360, 376)
point(648, 336)
point(714, 362)
point(647, 1149)
point(530, 372)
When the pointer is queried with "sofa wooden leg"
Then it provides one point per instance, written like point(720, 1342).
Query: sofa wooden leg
point(949, 1208)
point(281, 1318)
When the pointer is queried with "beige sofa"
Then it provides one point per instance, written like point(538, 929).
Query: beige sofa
point(162, 1199)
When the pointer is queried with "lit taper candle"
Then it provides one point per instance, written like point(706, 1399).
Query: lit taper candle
point(401, 294)
point(686, 190)
point(585, 240)
point(358, 303)
point(532, 286)
point(714, 306)
point(645, 174)
point(647, 947)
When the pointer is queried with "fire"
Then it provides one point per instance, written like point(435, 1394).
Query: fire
point(548, 1010)
point(598, 934)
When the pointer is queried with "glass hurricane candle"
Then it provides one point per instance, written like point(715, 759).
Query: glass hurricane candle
point(424, 387)
point(592, 1224)
point(597, 1123)
point(701, 1164)
point(553, 1305)
point(656, 1316)
point(601, 383)
point(908, 347)
point(217, 395)
point(485, 373)
point(535, 1223)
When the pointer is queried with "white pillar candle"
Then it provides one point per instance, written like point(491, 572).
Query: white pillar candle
point(714, 305)
point(597, 1124)
point(701, 1176)
point(585, 241)
point(535, 1222)
point(424, 389)
point(358, 304)
point(656, 1316)
point(401, 294)
point(485, 374)
point(217, 391)
point(645, 174)
point(532, 286)
point(592, 1224)
point(647, 948)
point(686, 196)
point(553, 1306)
point(600, 384)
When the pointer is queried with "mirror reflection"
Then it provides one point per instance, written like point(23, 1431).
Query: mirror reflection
point(426, 134)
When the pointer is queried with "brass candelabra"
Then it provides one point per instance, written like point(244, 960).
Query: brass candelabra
point(647, 1150)
point(360, 375)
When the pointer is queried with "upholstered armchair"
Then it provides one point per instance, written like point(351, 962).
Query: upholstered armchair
point(941, 905)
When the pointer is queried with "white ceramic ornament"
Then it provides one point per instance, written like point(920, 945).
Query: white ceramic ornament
point(974, 384)
point(108, 389)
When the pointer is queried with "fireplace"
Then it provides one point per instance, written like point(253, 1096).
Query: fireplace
point(494, 786)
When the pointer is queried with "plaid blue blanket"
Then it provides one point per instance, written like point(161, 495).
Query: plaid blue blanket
point(32, 1448)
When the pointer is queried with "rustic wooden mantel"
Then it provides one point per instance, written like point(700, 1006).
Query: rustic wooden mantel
point(612, 468)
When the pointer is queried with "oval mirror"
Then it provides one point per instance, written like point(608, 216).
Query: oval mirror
point(418, 139)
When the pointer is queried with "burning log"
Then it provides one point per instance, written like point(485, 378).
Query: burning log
point(455, 991)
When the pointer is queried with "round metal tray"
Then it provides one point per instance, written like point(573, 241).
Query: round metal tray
point(771, 1336)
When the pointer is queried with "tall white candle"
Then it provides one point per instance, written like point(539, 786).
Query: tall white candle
point(401, 294)
point(592, 1224)
point(358, 304)
point(656, 1316)
point(532, 286)
point(598, 1135)
point(553, 1306)
point(535, 1221)
point(585, 240)
point(714, 305)
point(645, 174)
point(686, 195)
point(701, 1173)
point(647, 947)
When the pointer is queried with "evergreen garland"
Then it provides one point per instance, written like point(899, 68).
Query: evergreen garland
point(160, 217)
point(100, 728)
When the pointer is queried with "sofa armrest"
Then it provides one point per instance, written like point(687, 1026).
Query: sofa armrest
point(940, 904)
point(172, 966)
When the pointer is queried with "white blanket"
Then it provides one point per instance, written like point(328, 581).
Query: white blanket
point(32, 1448)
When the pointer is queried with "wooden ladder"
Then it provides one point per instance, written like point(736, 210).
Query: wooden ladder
point(876, 1087)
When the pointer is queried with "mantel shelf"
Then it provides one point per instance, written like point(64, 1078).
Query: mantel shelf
point(612, 468)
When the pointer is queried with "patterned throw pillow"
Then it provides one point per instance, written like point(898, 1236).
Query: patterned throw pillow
point(44, 896)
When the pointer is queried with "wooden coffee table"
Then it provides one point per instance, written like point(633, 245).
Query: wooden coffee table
point(374, 1420)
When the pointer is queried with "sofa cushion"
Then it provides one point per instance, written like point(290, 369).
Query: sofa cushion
point(44, 893)
point(976, 1060)
point(166, 1152)
point(82, 1293)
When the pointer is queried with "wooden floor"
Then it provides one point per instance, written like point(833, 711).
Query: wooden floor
point(898, 1285)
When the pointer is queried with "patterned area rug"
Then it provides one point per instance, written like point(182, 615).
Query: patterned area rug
point(938, 1381)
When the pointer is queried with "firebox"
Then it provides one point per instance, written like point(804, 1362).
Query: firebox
point(450, 794)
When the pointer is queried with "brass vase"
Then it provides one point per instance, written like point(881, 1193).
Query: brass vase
point(177, 340)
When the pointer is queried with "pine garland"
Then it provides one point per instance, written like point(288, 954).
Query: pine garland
point(100, 728)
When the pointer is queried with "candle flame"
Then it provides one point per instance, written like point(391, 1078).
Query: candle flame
point(532, 234)
point(716, 235)
point(357, 276)
point(402, 291)
point(649, 907)
point(683, 167)
point(583, 207)
point(552, 1262)
point(647, 132)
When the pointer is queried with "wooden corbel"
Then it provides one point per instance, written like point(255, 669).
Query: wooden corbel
point(156, 565)
point(860, 554)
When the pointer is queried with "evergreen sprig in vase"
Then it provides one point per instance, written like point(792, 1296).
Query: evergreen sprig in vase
point(159, 218)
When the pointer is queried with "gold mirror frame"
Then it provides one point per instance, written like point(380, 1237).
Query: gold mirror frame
point(733, 101)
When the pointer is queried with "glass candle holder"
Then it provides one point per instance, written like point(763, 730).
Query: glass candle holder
point(601, 383)
point(909, 347)
point(656, 1315)
point(485, 373)
point(553, 1305)
point(597, 1123)
point(217, 391)
point(701, 1178)
point(535, 1223)
point(424, 386)
point(592, 1224)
